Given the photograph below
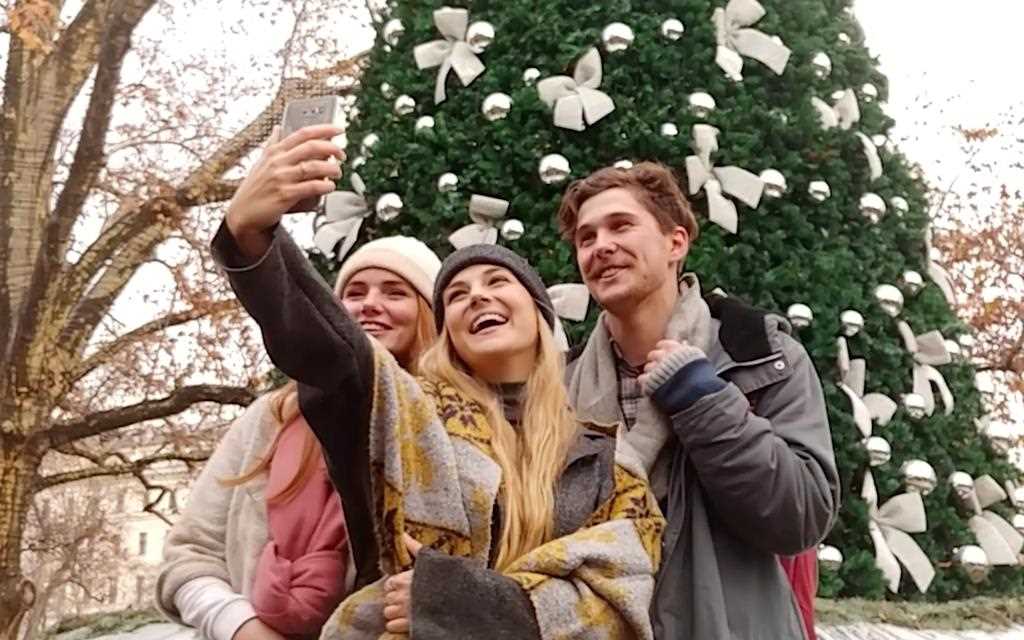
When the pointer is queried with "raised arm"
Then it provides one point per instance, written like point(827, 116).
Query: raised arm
point(308, 335)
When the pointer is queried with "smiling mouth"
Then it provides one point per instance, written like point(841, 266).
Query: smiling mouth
point(374, 327)
point(608, 273)
point(487, 321)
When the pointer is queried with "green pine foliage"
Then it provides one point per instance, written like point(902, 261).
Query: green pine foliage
point(788, 250)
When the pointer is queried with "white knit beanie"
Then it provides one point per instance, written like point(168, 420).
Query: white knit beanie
point(404, 256)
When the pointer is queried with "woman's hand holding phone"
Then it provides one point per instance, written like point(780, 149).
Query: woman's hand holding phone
point(301, 166)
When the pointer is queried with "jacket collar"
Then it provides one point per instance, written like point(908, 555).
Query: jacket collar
point(750, 337)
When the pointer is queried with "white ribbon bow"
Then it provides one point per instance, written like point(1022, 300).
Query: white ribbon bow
point(844, 114)
point(344, 212)
point(451, 53)
point(889, 527)
point(576, 100)
point(928, 350)
point(485, 212)
point(1001, 542)
point(716, 181)
point(570, 302)
point(735, 39)
point(873, 407)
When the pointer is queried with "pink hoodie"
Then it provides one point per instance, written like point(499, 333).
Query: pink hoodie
point(300, 578)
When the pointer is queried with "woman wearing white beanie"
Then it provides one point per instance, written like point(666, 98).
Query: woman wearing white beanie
point(387, 286)
point(266, 570)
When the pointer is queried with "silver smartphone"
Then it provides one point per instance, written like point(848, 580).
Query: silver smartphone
point(303, 113)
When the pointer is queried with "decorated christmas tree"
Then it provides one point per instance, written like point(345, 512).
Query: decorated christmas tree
point(473, 118)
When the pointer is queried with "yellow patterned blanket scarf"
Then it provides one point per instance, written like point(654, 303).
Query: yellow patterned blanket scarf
point(435, 478)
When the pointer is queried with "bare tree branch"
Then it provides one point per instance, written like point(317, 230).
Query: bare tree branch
point(181, 399)
point(126, 467)
point(110, 350)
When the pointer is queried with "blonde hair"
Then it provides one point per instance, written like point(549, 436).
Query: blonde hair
point(531, 458)
point(284, 406)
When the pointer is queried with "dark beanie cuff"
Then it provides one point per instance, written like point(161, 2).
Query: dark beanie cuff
point(498, 256)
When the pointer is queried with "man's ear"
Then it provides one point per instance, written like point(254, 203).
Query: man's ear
point(679, 241)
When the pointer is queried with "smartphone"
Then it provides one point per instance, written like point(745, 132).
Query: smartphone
point(303, 113)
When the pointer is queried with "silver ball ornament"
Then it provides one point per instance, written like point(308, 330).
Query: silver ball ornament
point(819, 190)
point(389, 206)
point(919, 477)
point(369, 141)
point(879, 451)
point(961, 482)
point(822, 65)
point(497, 106)
point(974, 562)
point(672, 29)
point(800, 315)
point(872, 207)
point(914, 405)
point(890, 299)
point(387, 90)
point(879, 140)
point(669, 130)
point(512, 230)
point(845, 38)
point(869, 93)
point(829, 558)
point(447, 182)
point(554, 168)
point(912, 282)
point(404, 105)
point(774, 183)
point(616, 37)
point(701, 104)
point(425, 123)
point(393, 31)
point(851, 322)
point(531, 76)
point(479, 36)
point(899, 205)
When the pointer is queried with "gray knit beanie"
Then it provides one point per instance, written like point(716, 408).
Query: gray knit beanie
point(499, 256)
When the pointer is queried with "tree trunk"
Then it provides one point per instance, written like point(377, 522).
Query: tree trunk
point(19, 459)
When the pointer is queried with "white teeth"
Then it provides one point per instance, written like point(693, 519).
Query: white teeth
point(487, 316)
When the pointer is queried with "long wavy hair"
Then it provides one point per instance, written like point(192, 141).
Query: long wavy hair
point(284, 406)
point(531, 457)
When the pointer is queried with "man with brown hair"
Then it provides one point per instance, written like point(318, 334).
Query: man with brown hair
point(719, 403)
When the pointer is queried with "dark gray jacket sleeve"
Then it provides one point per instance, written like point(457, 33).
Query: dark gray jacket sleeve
point(311, 338)
point(769, 476)
point(457, 599)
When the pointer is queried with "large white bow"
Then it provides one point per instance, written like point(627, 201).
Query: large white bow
point(736, 39)
point(451, 53)
point(344, 212)
point(576, 100)
point(571, 302)
point(873, 407)
point(889, 526)
point(485, 212)
point(844, 114)
point(716, 181)
point(928, 350)
point(1001, 542)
